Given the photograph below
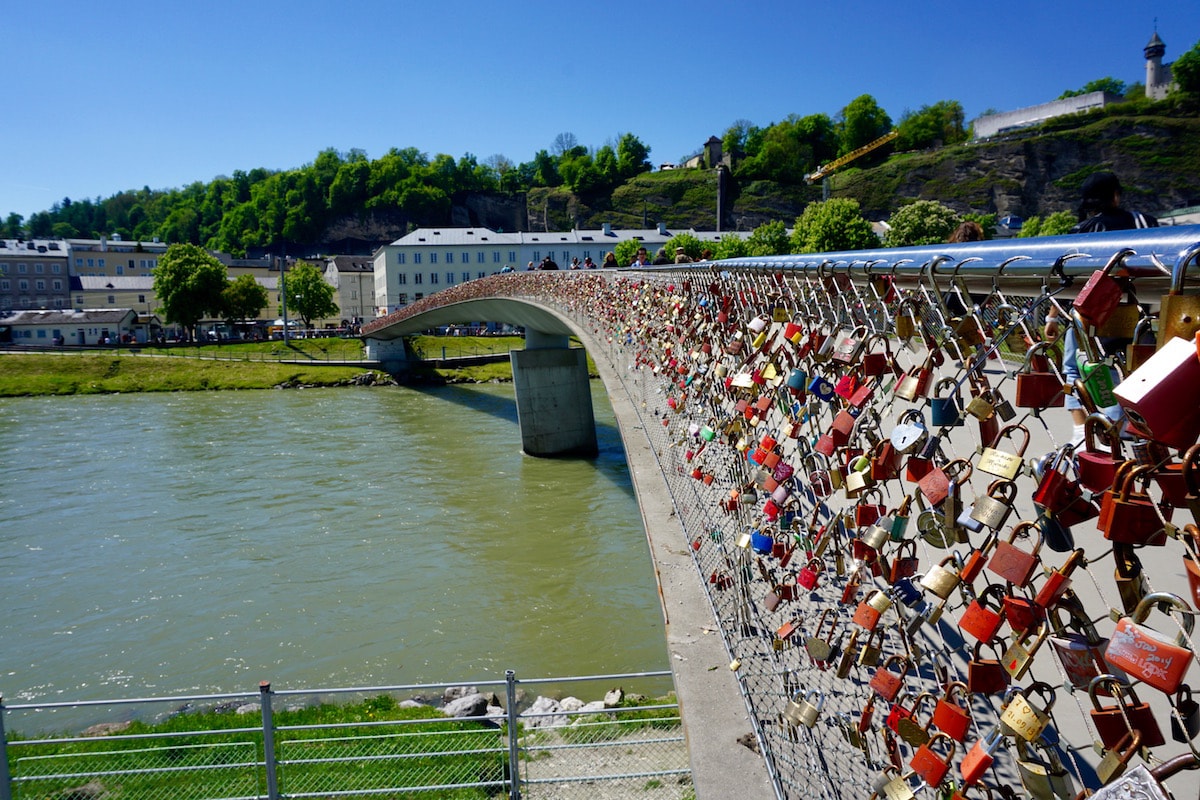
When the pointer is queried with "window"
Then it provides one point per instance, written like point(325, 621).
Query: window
point(480, 258)
point(402, 279)
point(100, 262)
point(40, 284)
point(5, 285)
point(512, 256)
point(466, 257)
point(131, 264)
point(120, 269)
point(23, 285)
point(419, 295)
point(433, 278)
point(433, 258)
point(91, 262)
point(39, 268)
point(79, 301)
point(418, 278)
point(56, 268)
point(153, 263)
point(41, 333)
point(449, 258)
point(481, 275)
point(466, 277)
point(79, 262)
point(403, 298)
point(400, 257)
point(566, 256)
point(22, 268)
point(141, 298)
point(495, 256)
point(58, 285)
point(111, 299)
point(537, 256)
point(416, 258)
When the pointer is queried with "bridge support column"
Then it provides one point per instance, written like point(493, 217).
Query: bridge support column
point(390, 353)
point(554, 401)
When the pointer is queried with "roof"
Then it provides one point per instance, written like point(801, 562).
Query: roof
point(454, 237)
point(352, 263)
point(111, 316)
point(41, 248)
point(119, 283)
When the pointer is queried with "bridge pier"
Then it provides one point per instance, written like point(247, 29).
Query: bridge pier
point(390, 353)
point(554, 398)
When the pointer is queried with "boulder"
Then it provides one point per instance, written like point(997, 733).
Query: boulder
point(544, 705)
point(473, 705)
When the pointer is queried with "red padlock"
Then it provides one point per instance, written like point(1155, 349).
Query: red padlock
point(949, 717)
point(1159, 397)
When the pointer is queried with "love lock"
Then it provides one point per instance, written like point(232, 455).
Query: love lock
point(804, 708)
point(910, 432)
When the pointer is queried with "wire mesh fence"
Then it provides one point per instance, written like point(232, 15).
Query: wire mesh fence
point(378, 742)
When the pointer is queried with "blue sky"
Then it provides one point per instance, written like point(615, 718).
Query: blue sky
point(103, 97)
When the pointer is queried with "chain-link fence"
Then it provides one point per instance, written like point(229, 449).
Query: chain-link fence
point(359, 742)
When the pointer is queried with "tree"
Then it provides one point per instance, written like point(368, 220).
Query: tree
point(731, 246)
point(942, 122)
point(244, 298)
point(862, 121)
point(309, 295)
point(768, 239)
point(922, 222)
point(12, 226)
point(632, 156)
point(1110, 85)
point(690, 244)
point(1056, 224)
point(626, 250)
point(564, 143)
point(190, 285)
point(1186, 71)
point(833, 225)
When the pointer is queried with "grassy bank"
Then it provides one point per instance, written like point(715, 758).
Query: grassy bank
point(242, 365)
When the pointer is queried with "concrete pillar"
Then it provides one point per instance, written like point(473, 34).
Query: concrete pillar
point(390, 353)
point(554, 402)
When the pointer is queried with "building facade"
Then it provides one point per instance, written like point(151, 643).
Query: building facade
point(1159, 80)
point(431, 259)
point(353, 281)
point(53, 328)
point(34, 274)
point(105, 257)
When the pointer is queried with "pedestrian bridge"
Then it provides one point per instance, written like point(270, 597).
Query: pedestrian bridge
point(759, 401)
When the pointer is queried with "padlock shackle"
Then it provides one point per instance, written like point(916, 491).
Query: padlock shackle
point(1179, 270)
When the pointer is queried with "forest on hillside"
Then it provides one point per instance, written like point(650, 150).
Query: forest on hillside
point(404, 188)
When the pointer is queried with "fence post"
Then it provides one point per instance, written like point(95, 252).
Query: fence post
point(510, 705)
point(268, 724)
point(5, 780)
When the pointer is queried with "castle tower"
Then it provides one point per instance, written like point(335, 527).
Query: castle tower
point(1158, 74)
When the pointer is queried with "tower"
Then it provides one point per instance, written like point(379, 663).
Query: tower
point(1158, 74)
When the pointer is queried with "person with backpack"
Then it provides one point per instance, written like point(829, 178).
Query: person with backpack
point(1100, 208)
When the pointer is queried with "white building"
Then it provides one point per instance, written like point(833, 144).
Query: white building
point(89, 326)
point(1158, 75)
point(430, 259)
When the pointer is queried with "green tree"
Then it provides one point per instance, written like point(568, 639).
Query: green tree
point(309, 295)
point(768, 239)
point(12, 226)
point(731, 246)
point(985, 221)
point(1058, 223)
point(862, 121)
point(690, 244)
point(244, 299)
point(922, 222)
point(1186, 71)
point(632, 156)
point(836, 224)
point(943, 122)
point(626, 250)
point(190, 285)
point(1110, 85)
point(793, 148)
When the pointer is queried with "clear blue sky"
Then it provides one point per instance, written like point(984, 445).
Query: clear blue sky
point(103, 97)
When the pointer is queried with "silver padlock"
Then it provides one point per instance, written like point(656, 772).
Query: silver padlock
point(993, 508)
point(804, 709)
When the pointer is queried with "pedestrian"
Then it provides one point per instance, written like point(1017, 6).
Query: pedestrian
point(1100, 207)
point(968, 231)
point(642, 259)
point(588, 263)
point(681, 257)
point(610, 261)
point(661, 258)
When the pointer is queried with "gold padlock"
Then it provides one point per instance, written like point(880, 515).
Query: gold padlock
point(1043, 778)
point(1003, 464)
point(941, 580)
point(1179, 313)
point(1023, 719)
point(981, 407)
point(1020, 653)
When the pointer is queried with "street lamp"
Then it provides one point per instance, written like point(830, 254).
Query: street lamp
point(283, 294)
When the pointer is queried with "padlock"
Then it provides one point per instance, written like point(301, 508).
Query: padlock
point(981, 619)
point(945, 411)
point(849, 344)
point(1179, 313)
point(1019, 655)
point(899, 711)
point(980, 757)
point(1059, 580)
point(820, 649)
point(904, 562)
point(950, 717)
point(1043, 777)
point(1130, 577)
point(1129, 714)
point(910, 432)
point(804, 709)
point(906, 318)
point(987, 675)
point(942, 579)
point(1038, 385)
point(1003, 464)
point(992, 509)
point(1143, 345)
point(1077, 645)
point(808, 576)
point(1117, 757)
point(1012, 563)
point(859, 479)
point(1099, 297)
point(1023, 718)
point(872, 650)
point(1097, 469)
point(887, 684)
point(898, 788)
point(910, 729)
point(931, 767)
point(914, 383)
point(1129, 517)
point(981, 406)
point(871, 608)
point(1148, 655)
point(1185, 715)
point(846, 659)
point(1157, 397)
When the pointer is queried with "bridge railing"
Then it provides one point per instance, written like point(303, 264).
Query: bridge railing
point(771, 389)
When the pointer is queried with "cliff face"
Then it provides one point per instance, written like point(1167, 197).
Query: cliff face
point(1158, 161)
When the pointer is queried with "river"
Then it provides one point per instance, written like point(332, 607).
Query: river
point(156, 544)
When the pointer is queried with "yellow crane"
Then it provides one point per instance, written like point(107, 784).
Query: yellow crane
point(822, 172)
